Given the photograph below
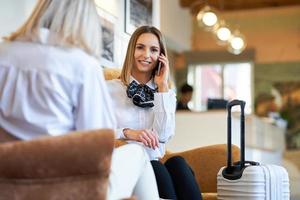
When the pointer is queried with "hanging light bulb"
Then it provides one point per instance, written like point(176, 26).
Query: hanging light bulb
point(207, 18)
point(236, 43)
point(222, 33)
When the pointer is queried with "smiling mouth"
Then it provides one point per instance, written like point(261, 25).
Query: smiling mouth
point(144, 62)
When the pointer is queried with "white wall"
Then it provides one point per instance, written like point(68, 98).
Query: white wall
point(116, 8)
point(13, 13)
point(176, 25)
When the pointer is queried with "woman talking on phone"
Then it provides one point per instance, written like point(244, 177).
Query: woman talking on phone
point(145, 110)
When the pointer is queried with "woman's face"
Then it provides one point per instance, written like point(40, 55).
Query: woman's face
point(146, 53)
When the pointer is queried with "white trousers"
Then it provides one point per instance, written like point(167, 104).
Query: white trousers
point(131, 174)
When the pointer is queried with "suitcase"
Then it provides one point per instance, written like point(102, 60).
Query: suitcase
point(248, 180)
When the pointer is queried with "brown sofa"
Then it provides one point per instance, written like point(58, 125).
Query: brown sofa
point(73, 166)
point(205, 161)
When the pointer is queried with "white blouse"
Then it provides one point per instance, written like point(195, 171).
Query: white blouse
point(160, 118)
point(47, 90)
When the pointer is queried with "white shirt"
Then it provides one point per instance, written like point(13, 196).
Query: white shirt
point(47, 90)
point(160, 118)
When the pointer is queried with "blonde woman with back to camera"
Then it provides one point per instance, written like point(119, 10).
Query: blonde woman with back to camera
point(51, 83)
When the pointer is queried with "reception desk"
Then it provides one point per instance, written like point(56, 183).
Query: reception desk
point(264, 141)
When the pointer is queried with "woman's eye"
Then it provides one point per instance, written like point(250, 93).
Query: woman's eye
point(154, 50)
point(139, 47)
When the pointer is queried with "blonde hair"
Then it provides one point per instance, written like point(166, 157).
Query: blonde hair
point(75, 23)
point(129, 59)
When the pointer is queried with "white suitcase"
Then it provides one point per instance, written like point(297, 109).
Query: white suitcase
point(248, 180)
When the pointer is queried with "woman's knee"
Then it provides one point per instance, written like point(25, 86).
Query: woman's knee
point(132, 152)
point(160, 169)
point(175, 161)
point(157, 164)
point(178, 163)
point(138, 149)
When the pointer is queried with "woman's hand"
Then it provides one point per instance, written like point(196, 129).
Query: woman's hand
point(148, 137)
point(161, 79)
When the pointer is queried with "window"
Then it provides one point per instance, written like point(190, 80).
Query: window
point(221, 81)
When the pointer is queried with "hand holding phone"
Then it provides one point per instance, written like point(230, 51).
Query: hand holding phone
point(162, 73)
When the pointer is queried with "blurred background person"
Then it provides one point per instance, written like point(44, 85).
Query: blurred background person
point(185, 97)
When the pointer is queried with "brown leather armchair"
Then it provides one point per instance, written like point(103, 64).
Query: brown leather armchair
point(205, 161)
point(72, 166)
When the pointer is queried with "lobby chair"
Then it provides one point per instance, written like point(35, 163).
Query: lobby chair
point(72, 166)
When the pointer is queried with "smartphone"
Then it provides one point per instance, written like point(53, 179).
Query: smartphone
point(158, 68)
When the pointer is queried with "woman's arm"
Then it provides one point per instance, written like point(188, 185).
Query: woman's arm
point(148, 137)
point(164, 115)
point(164, 103)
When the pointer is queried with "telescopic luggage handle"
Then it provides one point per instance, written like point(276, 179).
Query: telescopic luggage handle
point(235, 171)
point(236, 102)
point(242, 138)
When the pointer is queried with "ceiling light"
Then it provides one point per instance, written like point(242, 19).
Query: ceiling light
point(207, 18)
point(236, 43)
point(209, 21)
point(222, 32)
